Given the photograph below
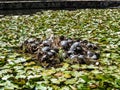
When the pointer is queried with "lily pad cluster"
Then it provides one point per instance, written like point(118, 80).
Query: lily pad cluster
point(55, 50)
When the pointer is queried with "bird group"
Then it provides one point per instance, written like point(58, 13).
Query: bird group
point(49, 50)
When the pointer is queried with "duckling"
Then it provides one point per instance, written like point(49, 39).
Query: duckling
point(31, 40)
point(64, 44)
point(44, 58)
point(70, 53)
point(74, 46)
point(45, 49)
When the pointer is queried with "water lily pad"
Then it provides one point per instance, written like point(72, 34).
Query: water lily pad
point(70, 81)
point(55, 81)
point(65, 88)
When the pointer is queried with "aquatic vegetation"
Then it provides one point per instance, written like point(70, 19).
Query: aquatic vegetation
point(20, 70)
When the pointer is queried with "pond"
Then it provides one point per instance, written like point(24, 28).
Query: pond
point(19, 70)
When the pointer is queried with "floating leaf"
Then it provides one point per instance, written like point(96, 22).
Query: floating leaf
point(70, 81)
point(55, 81)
